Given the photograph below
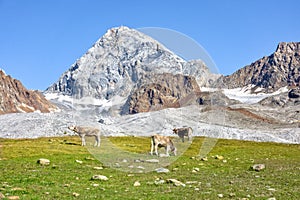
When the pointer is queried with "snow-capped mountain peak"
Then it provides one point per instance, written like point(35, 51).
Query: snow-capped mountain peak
point(116, 63)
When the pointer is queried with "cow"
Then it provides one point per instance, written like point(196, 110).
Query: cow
point(185, 131)
point(86, 131)
point(158, 141)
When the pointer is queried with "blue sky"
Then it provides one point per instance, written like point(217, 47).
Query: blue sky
point(40, 39)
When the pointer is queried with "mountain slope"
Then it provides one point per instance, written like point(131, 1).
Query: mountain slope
point(163, 91)
point(116, 63)
point(14, 97)
point(270, 73)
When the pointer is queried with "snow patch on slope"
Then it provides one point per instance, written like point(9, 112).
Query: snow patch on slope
point(245, 95)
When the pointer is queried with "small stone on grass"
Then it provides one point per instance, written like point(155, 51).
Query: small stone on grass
point(137, 184)
point(258, 167)
point(175, 182)
point(162, 170)
point(75, 194)
point(79, 161)
point(43, 161)
point(218, 157)
point(100, 177)
point(98, 168)
point(152, 161)
point(220, 195)
point(204, 159)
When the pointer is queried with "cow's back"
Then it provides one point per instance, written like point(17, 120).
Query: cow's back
point(88, 130)
point(186, 131)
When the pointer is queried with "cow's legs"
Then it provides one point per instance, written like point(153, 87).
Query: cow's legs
point(156, 147)
point(152, 147)
point(167, 150)
point(97, 141)
point(82, 140)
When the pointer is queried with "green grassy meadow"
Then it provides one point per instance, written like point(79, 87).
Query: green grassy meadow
point(68, 176)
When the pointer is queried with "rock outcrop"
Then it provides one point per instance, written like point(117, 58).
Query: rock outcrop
point(14, 97)
point(294, 93)
point(163, 91)
point(286, 99)
point(271, 73)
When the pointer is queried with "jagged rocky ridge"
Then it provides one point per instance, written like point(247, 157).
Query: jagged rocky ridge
point(14, 97)
point(280, 69)
point(116, 63)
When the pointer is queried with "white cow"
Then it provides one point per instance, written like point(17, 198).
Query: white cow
point(162, 141)
point(86, 131)
point(185, 131)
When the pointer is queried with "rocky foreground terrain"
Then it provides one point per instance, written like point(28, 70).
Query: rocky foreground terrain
point(129, 84)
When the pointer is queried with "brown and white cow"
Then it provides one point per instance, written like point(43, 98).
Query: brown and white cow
point(158, 141)
point(185, 131)
point(86, 131)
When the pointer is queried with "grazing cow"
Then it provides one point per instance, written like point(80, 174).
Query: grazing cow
point(86, 131)
point(185, 131)
point(162, 141)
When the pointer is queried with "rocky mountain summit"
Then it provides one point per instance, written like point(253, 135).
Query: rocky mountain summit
point(114, 65)
point(270, 73)
point(14, 97)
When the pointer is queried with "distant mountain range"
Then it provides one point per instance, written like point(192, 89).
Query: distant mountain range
point(125, 63)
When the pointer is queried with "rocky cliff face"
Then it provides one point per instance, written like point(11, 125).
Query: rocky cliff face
point(163, 91)
point(116, 63)
point(280, 69)
point(14, 97)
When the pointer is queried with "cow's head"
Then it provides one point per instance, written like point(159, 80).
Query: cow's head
point(175, 130)
point(73, 128)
